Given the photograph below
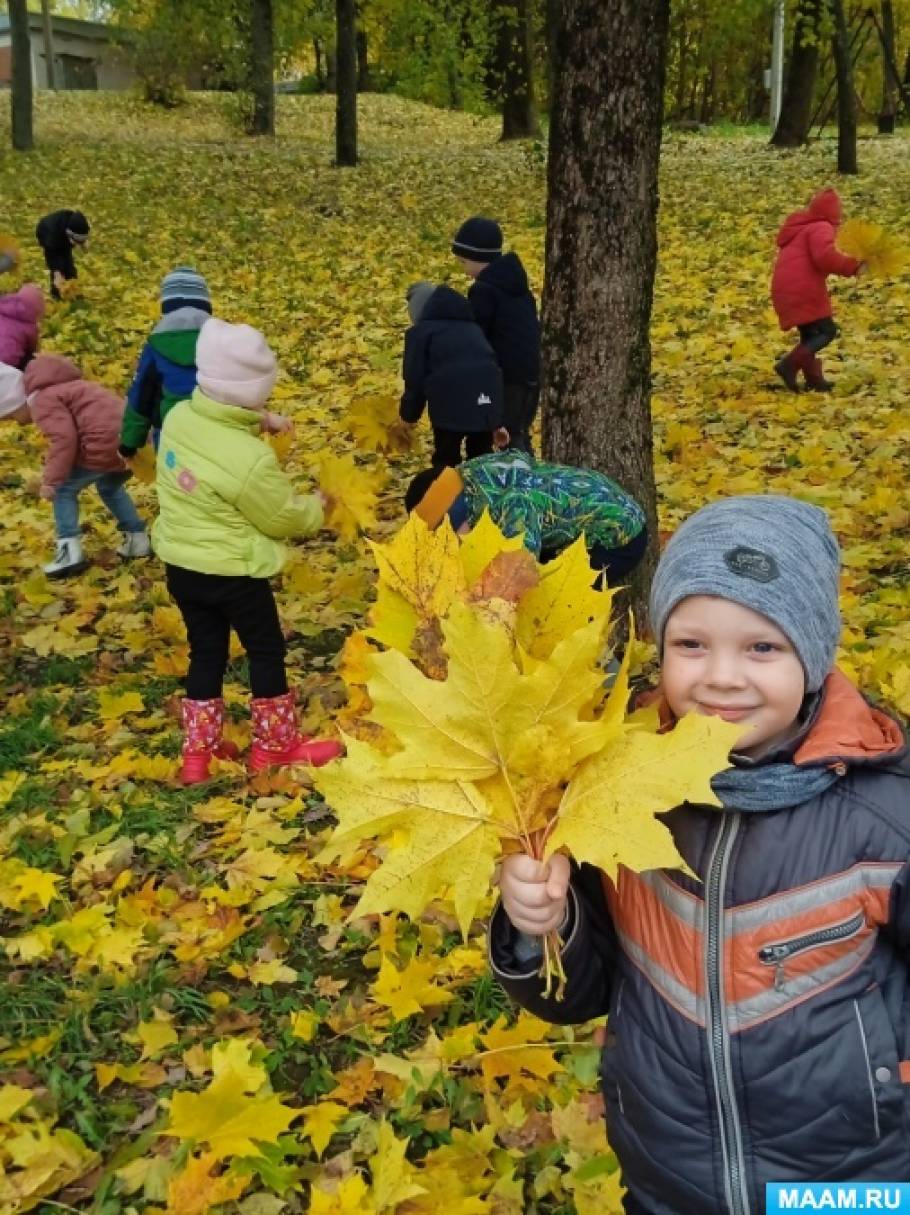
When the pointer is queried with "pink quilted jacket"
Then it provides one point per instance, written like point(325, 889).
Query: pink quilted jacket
point(81, 420)
point(20, 313)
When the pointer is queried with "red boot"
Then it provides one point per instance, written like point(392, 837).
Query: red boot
point(203, 721)
point(789, 367)
point(815, 377)
point(276, 739)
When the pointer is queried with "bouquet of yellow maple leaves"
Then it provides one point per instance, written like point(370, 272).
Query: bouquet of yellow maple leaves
point(482, 726)
point(883, 255)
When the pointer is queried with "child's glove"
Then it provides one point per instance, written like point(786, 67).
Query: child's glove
point(126, 452)
point(535, 893)
point(501, 438)
point(47, 492)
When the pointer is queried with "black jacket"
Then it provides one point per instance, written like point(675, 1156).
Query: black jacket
point(759, 1012)
point(505, 310)
point(51, 231)
point(450, 366)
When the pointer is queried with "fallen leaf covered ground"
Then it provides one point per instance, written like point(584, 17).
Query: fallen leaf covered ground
point(188, 1019)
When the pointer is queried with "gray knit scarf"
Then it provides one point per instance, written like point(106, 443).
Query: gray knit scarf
point(764, 787)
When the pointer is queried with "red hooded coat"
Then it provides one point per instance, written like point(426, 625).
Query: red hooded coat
point(81, 420)
point(20, 313)
point(807, 254)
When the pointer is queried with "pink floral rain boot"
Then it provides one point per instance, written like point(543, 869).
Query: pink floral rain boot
point(276, 739)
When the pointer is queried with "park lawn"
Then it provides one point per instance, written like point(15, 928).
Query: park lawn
point(171, 955)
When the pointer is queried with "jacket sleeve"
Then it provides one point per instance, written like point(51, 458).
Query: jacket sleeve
point(899, 913)
point(516, 515)
point(268, 501)
point(414, 371)
point(55, 421)
point(589, 956)
point(483, 304)
point(143, 401)
point(825, 255)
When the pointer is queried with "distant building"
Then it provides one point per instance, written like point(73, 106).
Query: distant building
point(86, 54)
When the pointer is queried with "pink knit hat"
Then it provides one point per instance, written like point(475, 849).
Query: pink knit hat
point(234, 364)
point(12, 390)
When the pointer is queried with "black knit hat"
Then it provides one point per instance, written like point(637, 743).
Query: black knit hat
point(77, 225)
point(478, 239)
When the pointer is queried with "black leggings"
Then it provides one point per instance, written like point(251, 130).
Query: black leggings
point(447, 445)
point(59, 261)
point(213, 604)
point(818, 334)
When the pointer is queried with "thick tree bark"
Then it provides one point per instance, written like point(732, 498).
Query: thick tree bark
point(364, 84)
point(515, 71)
point(21, 90)
point(796, 110)
point(49, 44)
point(346, 73)
point(262, 66)
point(602, 245)
point(891, 85)
point(846, 101)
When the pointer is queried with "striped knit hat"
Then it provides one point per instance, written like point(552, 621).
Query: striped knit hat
point(773, 554)
point(478, 239)
point(184, 287)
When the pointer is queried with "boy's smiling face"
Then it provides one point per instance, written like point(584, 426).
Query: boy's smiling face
point(723, 659)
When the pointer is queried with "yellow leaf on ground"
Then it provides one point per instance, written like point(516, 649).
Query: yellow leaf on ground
point(410, 990)
point(393, 1176)
point(112, 704)
point(226, 1118)
point(353, 490)
point(196, 1190)
point(321, 1121)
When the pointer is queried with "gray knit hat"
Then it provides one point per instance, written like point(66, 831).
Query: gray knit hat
point(184, 287)
point(417, 295)
point(772, 554)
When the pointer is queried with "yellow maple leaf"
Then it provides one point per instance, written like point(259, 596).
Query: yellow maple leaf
point(393, 1176)
point(420, 575)
point(273, 971)
point(321, 1121)
point(375, 425)
point(607, 812)
point(354, 492)
point(156, 1036)
point(350, 1197)
point(883, 255)
point(562, 600)
point(112, 704)
point(410, 990)
point(13, 1098)
point(196, 1189)
point(233, 1057)
point(482, 543)
point(304, 1024)
point(229, 1120)
point(142, 464)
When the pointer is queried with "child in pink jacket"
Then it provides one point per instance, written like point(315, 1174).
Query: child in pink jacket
point(20, 314)
point(81, 422)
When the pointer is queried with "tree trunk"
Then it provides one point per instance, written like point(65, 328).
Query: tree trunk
point(364, 84)
point(799, 88)
point(846, 101)
point(346, 71)
point(601, 250)
point(331, 71)
point(262, 66)
point(891, 86)
point(514, 70)
point(49, 44)
point(317, 54)
point(21, 85)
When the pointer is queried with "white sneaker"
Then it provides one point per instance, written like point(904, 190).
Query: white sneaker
point(135, 544)
point(68, 559)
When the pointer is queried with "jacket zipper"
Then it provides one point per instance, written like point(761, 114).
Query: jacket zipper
point(716, 1020)
point(776, 955)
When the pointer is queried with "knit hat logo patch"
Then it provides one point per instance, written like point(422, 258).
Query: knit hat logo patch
point(750, 563)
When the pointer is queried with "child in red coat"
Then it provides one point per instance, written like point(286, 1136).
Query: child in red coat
point(806, 256)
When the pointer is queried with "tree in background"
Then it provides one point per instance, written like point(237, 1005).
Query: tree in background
point(21, 88)
point(514, 68)
point(262, 68)
point(802, 72)
point(846, 101)
point(346, 97)
point(601, 251)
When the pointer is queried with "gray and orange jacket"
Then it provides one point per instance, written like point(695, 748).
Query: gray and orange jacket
point(758, 1013)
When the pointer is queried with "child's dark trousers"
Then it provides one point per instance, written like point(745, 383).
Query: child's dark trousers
point(213, 604)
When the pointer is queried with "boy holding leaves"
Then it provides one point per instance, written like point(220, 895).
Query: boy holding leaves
point(758, 1013)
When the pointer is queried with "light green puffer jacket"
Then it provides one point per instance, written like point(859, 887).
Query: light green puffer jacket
point(225, 503)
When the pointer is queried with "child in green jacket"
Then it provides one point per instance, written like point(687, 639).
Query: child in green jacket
point(225, 508)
